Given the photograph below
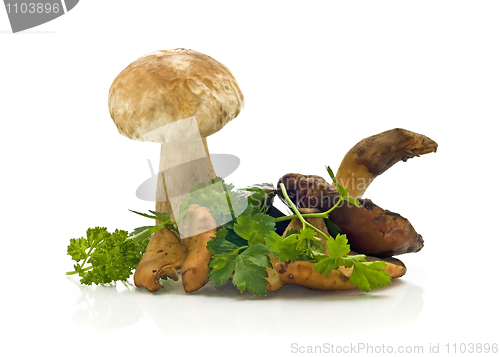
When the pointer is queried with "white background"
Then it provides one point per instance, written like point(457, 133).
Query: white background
point(317, 78)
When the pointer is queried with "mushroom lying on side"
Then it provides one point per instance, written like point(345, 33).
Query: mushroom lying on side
point(371, 229)
point(164, 255)
point(302, 273)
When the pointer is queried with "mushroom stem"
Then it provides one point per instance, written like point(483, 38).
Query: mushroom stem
point(183, 164)
point(212, 172)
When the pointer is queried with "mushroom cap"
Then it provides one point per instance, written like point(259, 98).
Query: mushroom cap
point(164, 87)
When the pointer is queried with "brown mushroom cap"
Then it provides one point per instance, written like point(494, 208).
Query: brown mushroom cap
point(163, 87)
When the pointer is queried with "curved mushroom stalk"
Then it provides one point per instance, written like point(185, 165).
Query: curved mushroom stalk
point(374, 155)
point(198, 226)
point(164, 255)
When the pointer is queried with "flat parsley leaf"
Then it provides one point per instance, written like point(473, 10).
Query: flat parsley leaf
point(366, 275)
point(218, 245)
point(258, 255)
point(222, 268)
point(250, 270)
point(370, 275)
point(248, 262)
point(254, 227)
point(339, 246)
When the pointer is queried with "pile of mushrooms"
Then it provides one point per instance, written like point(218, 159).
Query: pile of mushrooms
point(178, 98)
point(375, 232)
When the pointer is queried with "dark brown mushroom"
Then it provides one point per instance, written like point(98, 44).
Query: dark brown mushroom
point(371, 230)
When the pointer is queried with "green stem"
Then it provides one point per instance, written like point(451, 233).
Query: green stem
point(264, 205)
point(306, 215)
point(335, 206)
point(285, 195)
point(237, 250)
point(317, 230)
point(298, 214)
point(74, 272)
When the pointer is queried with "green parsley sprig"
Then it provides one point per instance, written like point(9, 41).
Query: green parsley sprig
point(103, 257)
point(247, 255)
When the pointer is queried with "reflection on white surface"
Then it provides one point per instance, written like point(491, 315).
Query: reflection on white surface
point(226, 310)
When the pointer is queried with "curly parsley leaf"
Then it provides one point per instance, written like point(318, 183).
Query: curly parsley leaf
point(103, 257)
point(77, 248)
point(254, 227)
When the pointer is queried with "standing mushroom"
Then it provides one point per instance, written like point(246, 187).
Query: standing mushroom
point(177, 98)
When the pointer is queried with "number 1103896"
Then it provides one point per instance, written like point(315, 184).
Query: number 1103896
point(475, 348)
point(32, 8)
